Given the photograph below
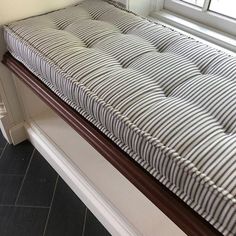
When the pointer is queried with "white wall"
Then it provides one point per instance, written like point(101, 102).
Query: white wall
point(158, 4)
point(124, 2)
point(11, 10)
point(144, 7)
point(141, 7)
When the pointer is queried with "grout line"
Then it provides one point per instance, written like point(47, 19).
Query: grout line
point(23, 206)
point(3, 150)
point(50, 208)
point(23, 181)
point(85, 218)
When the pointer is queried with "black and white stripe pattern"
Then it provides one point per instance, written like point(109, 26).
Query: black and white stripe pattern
point(164, 98)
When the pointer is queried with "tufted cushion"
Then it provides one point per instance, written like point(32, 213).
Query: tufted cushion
point(164, 98)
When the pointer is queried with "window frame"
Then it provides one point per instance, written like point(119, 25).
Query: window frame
point(202, 15)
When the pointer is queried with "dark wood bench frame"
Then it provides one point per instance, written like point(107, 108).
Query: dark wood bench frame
point(179, 212)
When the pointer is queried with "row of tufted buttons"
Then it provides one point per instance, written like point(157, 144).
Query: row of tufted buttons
point(127, 49)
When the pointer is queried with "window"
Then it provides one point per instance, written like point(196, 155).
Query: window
point(195, 2)
point(218, 14)
point(224, 7)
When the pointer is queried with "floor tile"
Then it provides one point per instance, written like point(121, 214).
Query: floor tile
point(67, 213)
point(2, 141)
point(15, 159)
point(39, 183)
point(1, 150)
point(19, 221)
point(9, 188)
point(93, 226)
point(29, 216)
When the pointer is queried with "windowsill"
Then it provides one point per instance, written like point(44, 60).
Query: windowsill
point(215, 38)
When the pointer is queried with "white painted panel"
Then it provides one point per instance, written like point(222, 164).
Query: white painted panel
point(141, 7)
point(124, 2)
point(144, 7)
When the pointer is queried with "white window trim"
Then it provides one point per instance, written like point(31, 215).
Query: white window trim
point(208, 18)
point(190, 19)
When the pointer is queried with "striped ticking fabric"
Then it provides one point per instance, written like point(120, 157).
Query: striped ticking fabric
point(164, 98)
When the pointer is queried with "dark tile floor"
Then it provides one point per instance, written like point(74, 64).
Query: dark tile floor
point(35, 201)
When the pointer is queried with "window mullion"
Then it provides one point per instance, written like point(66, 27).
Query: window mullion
point(206, 5)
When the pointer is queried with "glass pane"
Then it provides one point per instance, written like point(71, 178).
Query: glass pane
point(225, 7)
point(195, 2)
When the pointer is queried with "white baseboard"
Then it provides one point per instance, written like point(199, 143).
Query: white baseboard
point(4, 126)
point(109, 216)
point(17, 133)
point(13, 135)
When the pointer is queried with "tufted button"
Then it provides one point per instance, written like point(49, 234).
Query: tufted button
point(125, 48)
point(52, 42)
point(223, 61)
point(92, 31)
point(214, 94)
point(96, 8)
point(195, 51)
point(82, 66)
point(166, 69)
point(176, 122)
point(123, 20)
point(120, 83)
point(34, 23)
point(161, 37)
point(65, 17)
